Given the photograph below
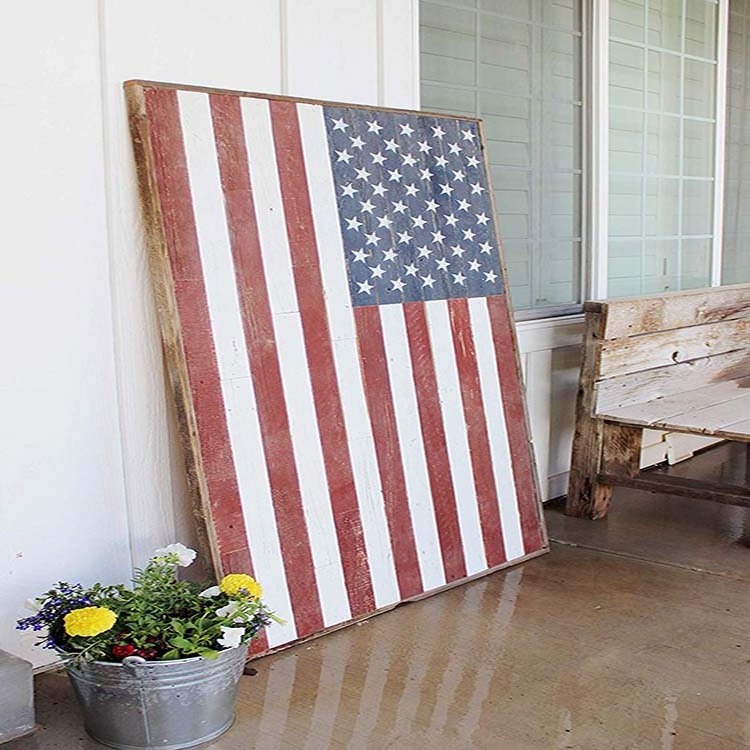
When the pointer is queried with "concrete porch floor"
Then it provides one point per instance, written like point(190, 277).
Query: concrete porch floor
point(631, 634)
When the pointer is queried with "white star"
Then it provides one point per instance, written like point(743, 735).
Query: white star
point(468, 136)
point(431, 205)
point(339, 124)
point(399, 207)
point(441, 161)
point(378, 158)
point(459, 278)
point(398, 285)
point(367, 206)
point(464, 205)
point(482, 218)
point(457, 250)
point(344, 156)
point(472, 161)
point(404, 237)
point(454, 148)
point(474, 265)
point(425, 174)
point(406, 129)
point(442, 264)
point(490, 276)
point(354, 224)
point(486, 248)
point(372, 239)
point(377, 272)
point(424, 251)
point(384, 222)
point(437, 236)
point(476, 188)
point(362, 174)
point(409, 160)
point(379, 189)
point(424, 147)
point(418, 222)
point(458, 176)
point(411, 189)
point(390, 254)
point(365, 287)
point(391, 145)
point(361, 254)
point(394, 175)
point(357, 142)
point(349, 190)
point(451, 220)
point(469, 234)
point(374, 127)
point(427, 281)
point(411, 270)
point(438, 132)
point(446, 189)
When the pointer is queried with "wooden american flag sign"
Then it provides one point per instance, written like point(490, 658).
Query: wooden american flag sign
point(333, 308)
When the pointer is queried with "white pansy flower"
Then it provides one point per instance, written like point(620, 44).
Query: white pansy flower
point(229, 610)
point(177, 553)
point(230, 637)
point(33, 604)
point(210, 592)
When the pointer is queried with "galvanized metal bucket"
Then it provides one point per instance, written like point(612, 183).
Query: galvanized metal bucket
point(158, 704)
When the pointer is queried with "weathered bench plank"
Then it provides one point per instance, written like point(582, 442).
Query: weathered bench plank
point(680, 363)
point(633, 316)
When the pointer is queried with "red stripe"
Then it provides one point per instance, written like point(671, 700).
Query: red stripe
point(377, 385)
point(264, 366)
point(476, 430)
point(173, 187)
point(436, 447)
point(522, 458)
point(311, 298)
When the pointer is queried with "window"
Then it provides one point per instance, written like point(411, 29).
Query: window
point(662, 123)
point(517, 65)
point(658, 65)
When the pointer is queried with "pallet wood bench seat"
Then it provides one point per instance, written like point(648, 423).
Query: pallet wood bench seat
point(677, 362)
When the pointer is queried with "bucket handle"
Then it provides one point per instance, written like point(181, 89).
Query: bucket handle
point(131, 663)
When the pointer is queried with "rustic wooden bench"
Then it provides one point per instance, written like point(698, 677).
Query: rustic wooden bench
point(676, 362)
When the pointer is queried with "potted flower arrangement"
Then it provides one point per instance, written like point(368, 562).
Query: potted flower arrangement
point(155, 664)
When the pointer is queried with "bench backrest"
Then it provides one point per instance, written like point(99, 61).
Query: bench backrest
point(648, 347)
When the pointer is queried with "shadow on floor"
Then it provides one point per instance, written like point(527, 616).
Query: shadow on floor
point(631, 634)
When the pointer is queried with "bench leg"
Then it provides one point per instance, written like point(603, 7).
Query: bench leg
point(602, 452)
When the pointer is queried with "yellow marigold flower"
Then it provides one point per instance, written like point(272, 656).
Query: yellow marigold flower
point(89, 621)
point(240, 583)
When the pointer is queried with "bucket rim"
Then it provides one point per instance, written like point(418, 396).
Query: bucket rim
point(155, 662)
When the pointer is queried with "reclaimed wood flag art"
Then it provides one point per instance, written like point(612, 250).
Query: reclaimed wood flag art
point(333, 308)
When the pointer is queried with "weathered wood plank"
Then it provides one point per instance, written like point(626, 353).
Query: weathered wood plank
point(631, 316)
point(688, 408)
point(627, 355)
point(621, 450)
point(588, 497)
point(639, 387)
point(728, 494)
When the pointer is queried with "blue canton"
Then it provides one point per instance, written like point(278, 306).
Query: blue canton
point(414, 207)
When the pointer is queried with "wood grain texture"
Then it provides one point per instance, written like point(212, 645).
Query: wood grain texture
point(678, 363)
point(633, 316)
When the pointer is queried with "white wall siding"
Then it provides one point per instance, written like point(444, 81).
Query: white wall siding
point(93, 478)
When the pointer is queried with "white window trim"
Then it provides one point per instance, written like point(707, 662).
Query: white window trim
point(722, 54)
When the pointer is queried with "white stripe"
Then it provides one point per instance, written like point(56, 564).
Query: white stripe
point(456, 437)
point(412, 446)
point(234, 369)
point(290, 344)
point(497, 428)
point(346, 355)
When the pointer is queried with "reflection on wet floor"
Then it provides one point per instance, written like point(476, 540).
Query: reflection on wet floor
point(579, 649)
